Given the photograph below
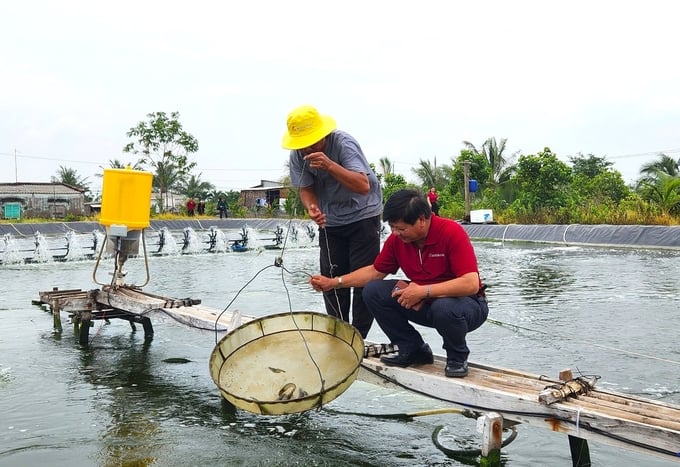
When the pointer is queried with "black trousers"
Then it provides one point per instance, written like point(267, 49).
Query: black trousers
point(344, 249)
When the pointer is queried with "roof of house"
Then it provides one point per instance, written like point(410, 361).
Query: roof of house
point(38, 189)
point(265, 185)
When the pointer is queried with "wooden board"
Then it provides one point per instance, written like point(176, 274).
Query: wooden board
point(611, 418)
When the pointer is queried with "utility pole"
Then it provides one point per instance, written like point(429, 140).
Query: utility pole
point(434, 175)
point(466, 178)
point(16, 170)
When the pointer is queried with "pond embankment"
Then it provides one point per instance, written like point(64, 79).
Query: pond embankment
point(638, 236)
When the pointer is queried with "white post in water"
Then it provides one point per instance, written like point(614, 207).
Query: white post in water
point(491, 427)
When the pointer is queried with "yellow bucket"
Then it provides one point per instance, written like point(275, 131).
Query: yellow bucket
point(126, 198)
point(287, 363)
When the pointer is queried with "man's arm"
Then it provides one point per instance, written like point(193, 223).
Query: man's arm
point(311, 204)
point(356, 278)
point(353, 181)
point(463, 286)
point(308, 197)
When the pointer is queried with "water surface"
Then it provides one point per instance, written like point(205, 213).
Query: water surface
point(614, 313)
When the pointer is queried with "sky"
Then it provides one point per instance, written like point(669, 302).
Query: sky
point(409, 80)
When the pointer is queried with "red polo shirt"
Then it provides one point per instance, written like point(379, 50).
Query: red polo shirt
point(447, 254)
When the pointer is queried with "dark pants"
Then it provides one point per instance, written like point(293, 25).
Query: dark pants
point(452, 317)
point(344, 249)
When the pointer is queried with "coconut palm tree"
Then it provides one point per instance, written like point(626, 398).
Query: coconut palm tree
point(432, 175)
point(386, 166)
point(649, 172)
point(69, 176)
point(118, 164)
point(665, 164)
point(501, 168)
point(664, 190)
point(427, 172)
point(194, 187)
point(165, 179)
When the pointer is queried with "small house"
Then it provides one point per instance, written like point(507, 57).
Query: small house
point(53, 200)
point(267, 193)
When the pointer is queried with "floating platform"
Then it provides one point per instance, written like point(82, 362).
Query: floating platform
point(572, 406)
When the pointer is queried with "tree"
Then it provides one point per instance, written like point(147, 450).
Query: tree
point(426, 172)
point(594, 181)
point(589, 166)
point(664, 191)
point(293, 204)
point(393, 182)
point(165, 179)
point(650, 172)
point(542, 181)
point(606, 187)
point(664, 163)
point(431, 175)
point(386, 166)
point(71, 177)
point(479, 170)
point(501, 168)
point(117, 164)
point(232, 197)
point(162, 144)
point(194, 187)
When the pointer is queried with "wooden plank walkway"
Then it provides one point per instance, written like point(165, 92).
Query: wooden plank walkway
point(612, 418)
point(607, 417)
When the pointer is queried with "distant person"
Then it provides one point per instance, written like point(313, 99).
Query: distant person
point(433, 200)
point(342, 196)
point(222, 207)
point(200, 208)
point(191, 206)
point(260, 204)
point(445, 291)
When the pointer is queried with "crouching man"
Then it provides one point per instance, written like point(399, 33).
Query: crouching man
point(445, 291)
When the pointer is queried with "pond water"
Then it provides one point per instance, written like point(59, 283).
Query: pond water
point(609, 312)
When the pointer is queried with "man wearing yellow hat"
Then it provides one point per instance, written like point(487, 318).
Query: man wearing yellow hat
point(342, 195)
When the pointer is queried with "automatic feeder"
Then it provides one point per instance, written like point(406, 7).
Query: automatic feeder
point(126, 201)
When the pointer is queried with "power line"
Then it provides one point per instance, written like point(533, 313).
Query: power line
point(242, 170)
point(46, 158)
point(641, 154)
point(61, 159)
point(18, 155)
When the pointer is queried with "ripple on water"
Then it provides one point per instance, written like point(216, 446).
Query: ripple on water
point(121, 401)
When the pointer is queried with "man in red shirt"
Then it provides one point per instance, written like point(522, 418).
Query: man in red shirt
point(433, 199)
point(191, 205)
point(445, 291)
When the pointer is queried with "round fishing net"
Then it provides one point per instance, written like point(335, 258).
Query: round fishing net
point(287, 363)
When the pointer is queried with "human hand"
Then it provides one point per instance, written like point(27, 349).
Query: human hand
point(322, 283)
point(318, 160)
point(407, 295)
point(316, 215)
